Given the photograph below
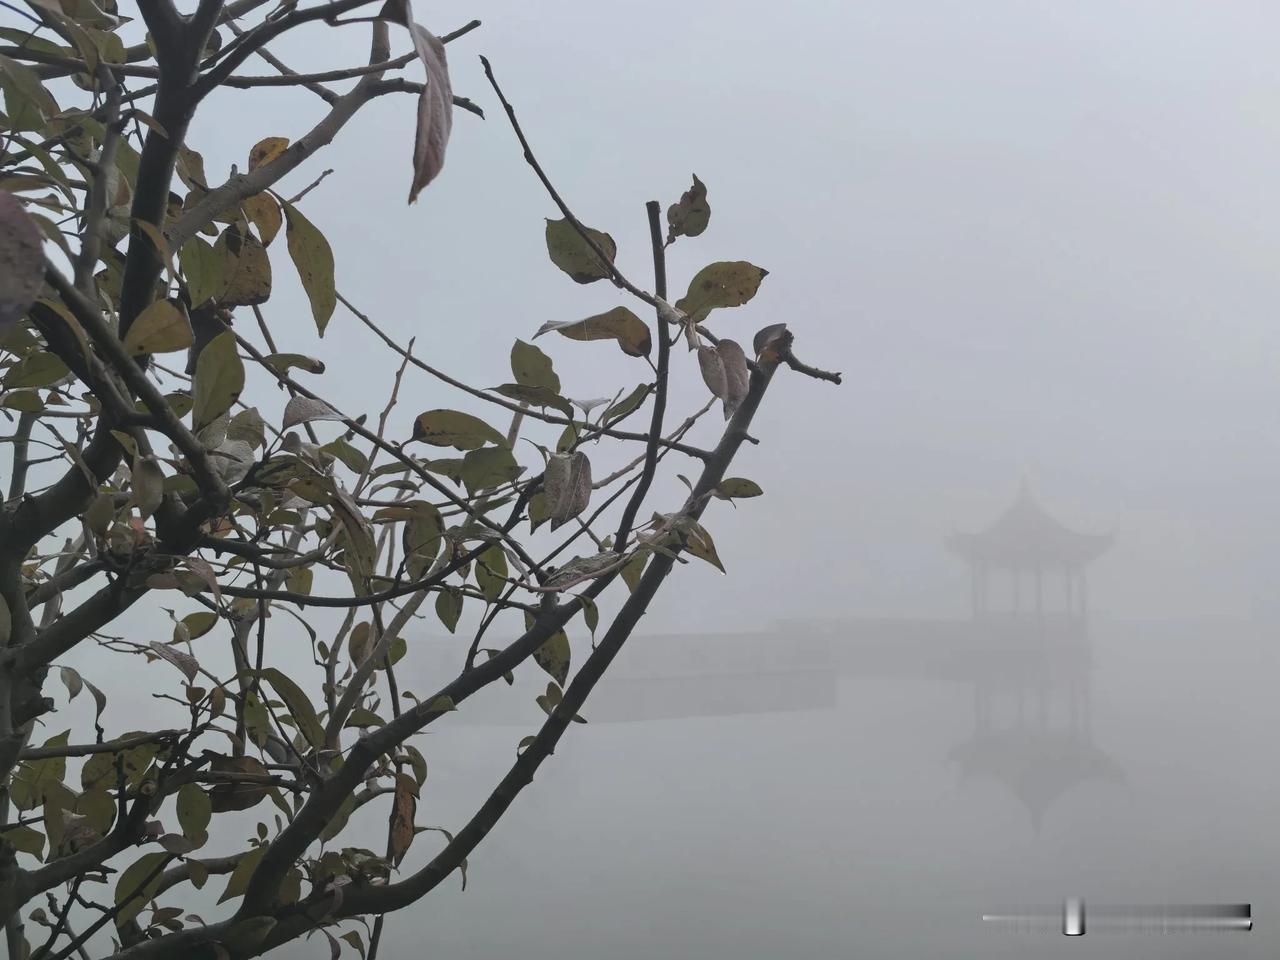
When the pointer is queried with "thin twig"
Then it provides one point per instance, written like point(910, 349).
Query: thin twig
point(606, 261)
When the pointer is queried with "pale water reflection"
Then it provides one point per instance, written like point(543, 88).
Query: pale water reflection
point(938, 769)
point(871, 787)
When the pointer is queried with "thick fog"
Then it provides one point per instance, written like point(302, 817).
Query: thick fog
point(1040, 240)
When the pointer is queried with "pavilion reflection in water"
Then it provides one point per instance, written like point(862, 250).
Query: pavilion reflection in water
point(1027, 659)
point(1032, 716)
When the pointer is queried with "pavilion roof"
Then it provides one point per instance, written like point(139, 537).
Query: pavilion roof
point(1026, 535)
point(1038, 767)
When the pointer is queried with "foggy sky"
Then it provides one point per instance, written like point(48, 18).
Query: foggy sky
point(1038, 238)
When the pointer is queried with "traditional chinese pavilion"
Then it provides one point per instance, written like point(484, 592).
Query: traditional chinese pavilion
point(1023, 547)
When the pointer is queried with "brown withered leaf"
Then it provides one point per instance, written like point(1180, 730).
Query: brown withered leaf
point(736, 375)
point(21, 261)
point(770, 341)
point(620, 324)
point(567, 482)
point(712, 367)
point(435, 103)
point(404, 808)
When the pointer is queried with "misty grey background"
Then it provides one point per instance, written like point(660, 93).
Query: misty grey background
point(1039, 239)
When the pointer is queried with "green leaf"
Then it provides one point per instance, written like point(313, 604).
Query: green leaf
point(532, 368)
point(701, 545)
point(202, 267)
point(535, 397)
point(304, 714)
point(246, 269)
point(620, 324)
point(39, 777)
point(627, 404)
point(339, 820)
point(238, 882)
point(491, 572)
point(160, 328)
point(36, 369)
point(245, 936)
point(283, 362)
point(689, 217)
point(590, 614)
point(137, 884)
point(572, 254)
point(24, 840)
point(199, 623)
point(314, 260)
point(450, 428)
point(738, 488)
point(449, 607)
point(219, 379)
point(726, 284)
point(26, 101)
point(148, 484)
point(98, 807)
point(195, 809)
point(633, 571)
point(489, 467)
point(264, 212)
point(421, 539)
point(266, 150)
point(240, 796)
point(553, 656)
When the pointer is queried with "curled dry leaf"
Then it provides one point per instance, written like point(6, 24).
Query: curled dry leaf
point(435, 103)
point(736, 375)
point(771, 341)
point(188, 664)
point(580, 569)
point(21, 261)
point(689, 217)
point(567, 482)
point(403, 810)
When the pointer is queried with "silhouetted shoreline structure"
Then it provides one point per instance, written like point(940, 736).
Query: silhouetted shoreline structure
point(1025, 542)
